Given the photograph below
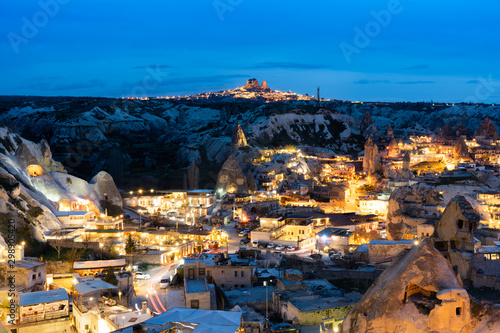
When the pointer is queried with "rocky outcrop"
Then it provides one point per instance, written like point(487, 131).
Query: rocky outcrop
point(410, 206)
point(230, 178)
point(487, 129)
point(371, 159)
point(390, 132)
point(461, 130)
point(366, 122)
point(104, 186)
point(406, 162)
point(264, 86)
point(460, 149)
point(455, 234)
point(418, 293)
point(238, 139)
point(446, 132)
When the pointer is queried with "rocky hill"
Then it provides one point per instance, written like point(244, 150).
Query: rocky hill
point(152, 142)
point(32, 185)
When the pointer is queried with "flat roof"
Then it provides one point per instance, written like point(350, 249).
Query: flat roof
point(38, 297)
point(249, 295)
point(93, 286)
point(309, 305)
point(26, 264)
point(389, 242)
point(92, 264)
point(196, 286)
point(488, 249)
point(201, 191)
point(68, 213)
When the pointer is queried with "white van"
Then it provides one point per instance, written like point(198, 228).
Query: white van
point(164, 281)
point(255, 243)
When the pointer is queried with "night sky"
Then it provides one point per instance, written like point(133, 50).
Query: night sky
point(354, 50)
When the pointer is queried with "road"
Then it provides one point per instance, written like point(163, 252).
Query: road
point(149, 290)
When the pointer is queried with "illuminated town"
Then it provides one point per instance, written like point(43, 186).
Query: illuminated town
point(233, 166)
point(293, 234)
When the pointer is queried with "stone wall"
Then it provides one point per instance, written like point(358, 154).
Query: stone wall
point(50, 326)
point(59, 267)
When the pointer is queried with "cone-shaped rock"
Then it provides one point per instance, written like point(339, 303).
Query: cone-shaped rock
point(419, 293)
point(487, 129)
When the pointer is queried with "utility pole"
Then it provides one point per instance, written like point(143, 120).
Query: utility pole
point(266, 283)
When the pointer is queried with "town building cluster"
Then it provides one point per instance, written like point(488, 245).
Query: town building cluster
point(313, 228)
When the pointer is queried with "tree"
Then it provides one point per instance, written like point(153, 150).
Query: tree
point(57, 243)
point(74, 255)
point(110, 277)
point(129, 246)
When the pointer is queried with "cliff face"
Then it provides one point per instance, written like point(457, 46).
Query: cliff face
point(31, 181)
point(410, 206)
point(419, 293)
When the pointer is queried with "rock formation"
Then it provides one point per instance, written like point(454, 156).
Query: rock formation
point(454, 235)
point(460, 149)
point(393, 148)
point(193, 176)
point(105, 188)
point(230, 178)
point(252, 185)
point(487, 129)
point(410, 206)
point(446, 132)
point(264, 86)
point(462, 130)
point(418, 293)
point(390, 132)
point(371, 159)
point(366, 122)
point(406, 162)
point(253, 85)
point(238, 139)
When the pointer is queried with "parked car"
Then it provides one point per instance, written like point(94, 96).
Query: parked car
point(284, 328)
point(279, 247)
point(244, 240)
point(164, 281)
point(255, 244)
point(262, 245)
point(316, 256)
point(290, 248)
point(242, 233)
point(270, 246)
point(141, 276)
point(205, 251)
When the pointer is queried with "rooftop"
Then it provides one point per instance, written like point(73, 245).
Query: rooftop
point(38, 297)
point(309, 305)
point(196, 286)
point(26, 264)
point(92, 264)
point(93, 286)
point(389, 242)
point(68, 213)
point(250, 295)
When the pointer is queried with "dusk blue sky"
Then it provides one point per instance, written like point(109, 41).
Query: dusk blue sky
point(430, 50)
